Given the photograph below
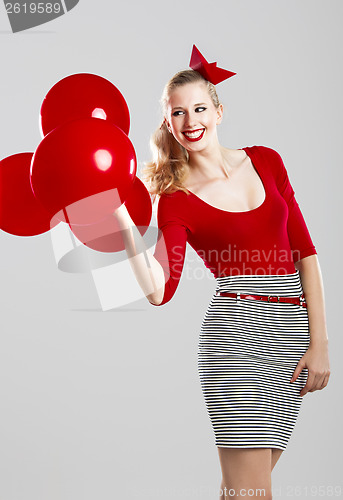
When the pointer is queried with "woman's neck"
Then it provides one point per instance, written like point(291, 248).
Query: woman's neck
point(210, 163)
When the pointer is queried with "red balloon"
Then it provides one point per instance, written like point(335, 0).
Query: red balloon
point(21, 214)
point(83, 95)
point(83, 170)
point(105, 236)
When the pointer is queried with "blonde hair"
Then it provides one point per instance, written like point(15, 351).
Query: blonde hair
point(169, 166)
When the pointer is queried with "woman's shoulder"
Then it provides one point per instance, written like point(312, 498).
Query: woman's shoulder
point(171, 205)
point(172, 197)
point(266, 151)
point(171, 202)
point(269, 156)
point(273, 163)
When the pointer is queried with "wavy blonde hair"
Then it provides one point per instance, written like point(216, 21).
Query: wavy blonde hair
point(169, 166)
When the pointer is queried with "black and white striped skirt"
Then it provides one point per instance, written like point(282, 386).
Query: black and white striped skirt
point(247, 354)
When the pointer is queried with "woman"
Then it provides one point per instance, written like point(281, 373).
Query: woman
point(265, 325)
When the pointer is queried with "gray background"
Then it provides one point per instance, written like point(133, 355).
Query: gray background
point(108, 404)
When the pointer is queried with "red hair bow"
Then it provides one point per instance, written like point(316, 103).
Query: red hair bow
point(208, 70)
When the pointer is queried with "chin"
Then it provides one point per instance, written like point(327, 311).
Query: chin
point(196, 146)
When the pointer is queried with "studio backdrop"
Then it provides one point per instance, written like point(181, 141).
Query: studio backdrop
point(99, 390)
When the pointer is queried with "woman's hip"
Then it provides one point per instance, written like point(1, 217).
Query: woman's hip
point(273, 331)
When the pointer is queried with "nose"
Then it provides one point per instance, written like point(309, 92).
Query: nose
point(190, 120)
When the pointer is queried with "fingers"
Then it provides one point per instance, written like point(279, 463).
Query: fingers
point(318, 374)
point(323, 383)
point(297, 370)
point(315, 382)
point(308, 385)
point(326, 380)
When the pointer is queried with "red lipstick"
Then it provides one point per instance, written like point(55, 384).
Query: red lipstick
point(193, 139)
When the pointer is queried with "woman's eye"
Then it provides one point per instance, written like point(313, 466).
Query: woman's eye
point(198, 109)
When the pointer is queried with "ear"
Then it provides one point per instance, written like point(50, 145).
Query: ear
point(220, 112)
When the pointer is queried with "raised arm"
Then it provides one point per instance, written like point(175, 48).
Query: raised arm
point(157, 274)
point(148, 271)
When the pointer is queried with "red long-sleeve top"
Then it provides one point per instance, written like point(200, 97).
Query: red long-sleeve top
point(266, 240)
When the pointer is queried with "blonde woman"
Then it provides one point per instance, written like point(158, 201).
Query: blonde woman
point(263, 342)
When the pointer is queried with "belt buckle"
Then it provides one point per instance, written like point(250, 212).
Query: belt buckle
point(276, 296)
point(302, 300)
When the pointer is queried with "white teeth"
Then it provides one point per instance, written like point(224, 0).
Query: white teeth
point(194, 135)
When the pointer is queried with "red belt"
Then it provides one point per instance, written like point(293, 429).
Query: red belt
point(300, 301)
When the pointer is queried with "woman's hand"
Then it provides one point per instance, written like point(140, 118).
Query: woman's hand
point(316, 360)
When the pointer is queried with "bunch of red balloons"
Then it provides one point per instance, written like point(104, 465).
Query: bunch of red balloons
point(82, 170)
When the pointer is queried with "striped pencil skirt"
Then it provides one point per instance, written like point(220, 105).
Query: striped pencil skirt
point(247, 353)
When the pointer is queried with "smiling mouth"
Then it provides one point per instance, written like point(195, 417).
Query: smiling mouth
point(195, 135)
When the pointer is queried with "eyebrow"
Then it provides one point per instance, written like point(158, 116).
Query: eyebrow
point(198, 104)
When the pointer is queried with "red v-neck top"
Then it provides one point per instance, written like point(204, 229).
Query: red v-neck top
point(265, 240)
